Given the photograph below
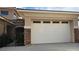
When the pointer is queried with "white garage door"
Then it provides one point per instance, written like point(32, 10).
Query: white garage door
point(50, 32)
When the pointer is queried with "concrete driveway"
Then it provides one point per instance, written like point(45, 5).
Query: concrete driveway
point(45, 47)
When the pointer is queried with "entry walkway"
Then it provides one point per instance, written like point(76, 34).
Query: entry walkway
point(45, 47)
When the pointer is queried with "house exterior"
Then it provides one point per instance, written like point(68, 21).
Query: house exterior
point(8, 17)
point(9, 12)
point(16, 28)
point(37, 27)
point(3, 25)
point(49, 26)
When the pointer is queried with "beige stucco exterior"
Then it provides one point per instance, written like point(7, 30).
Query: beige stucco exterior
point(2, 26)
point(11, 12)
point(5, 19)
point(31, 15)
point(48, 15)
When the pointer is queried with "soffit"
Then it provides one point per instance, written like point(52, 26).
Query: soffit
point(57, 16)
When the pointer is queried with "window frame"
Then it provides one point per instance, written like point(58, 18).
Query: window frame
point(4, 12)
point(55, 22)
point(46, 22)
point(64, 22)
point(36, 21)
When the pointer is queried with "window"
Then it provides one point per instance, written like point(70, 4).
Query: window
point(4, 12)
point(55, 21)
point(46, 21)
point(66, 22)
point(36, 21)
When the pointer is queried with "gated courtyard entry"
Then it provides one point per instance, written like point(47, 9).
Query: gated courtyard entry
point(19, 36)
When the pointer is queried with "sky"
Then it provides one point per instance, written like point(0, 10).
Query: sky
point(63, 5)
point(40, 3)
point(53, 8)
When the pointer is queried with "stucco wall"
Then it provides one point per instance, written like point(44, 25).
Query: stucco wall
point(72, 30)
point(29, 16)
point(2, 25)
point(11, 12)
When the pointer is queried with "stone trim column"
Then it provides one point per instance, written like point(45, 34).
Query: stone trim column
point(27, 36)
point(76, 31)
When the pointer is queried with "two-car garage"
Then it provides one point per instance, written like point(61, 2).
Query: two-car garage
point(50, 32)
point(48, 26)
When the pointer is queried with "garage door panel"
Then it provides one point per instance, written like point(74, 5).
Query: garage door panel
point(50, 33)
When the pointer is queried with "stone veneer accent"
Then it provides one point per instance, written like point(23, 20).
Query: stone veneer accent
point(76, 31)
point(27, 36)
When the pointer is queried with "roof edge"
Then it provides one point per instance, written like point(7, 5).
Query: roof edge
point(48, 11)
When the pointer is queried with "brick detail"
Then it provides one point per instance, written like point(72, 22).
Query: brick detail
point(76, 31)
point(27, 36)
